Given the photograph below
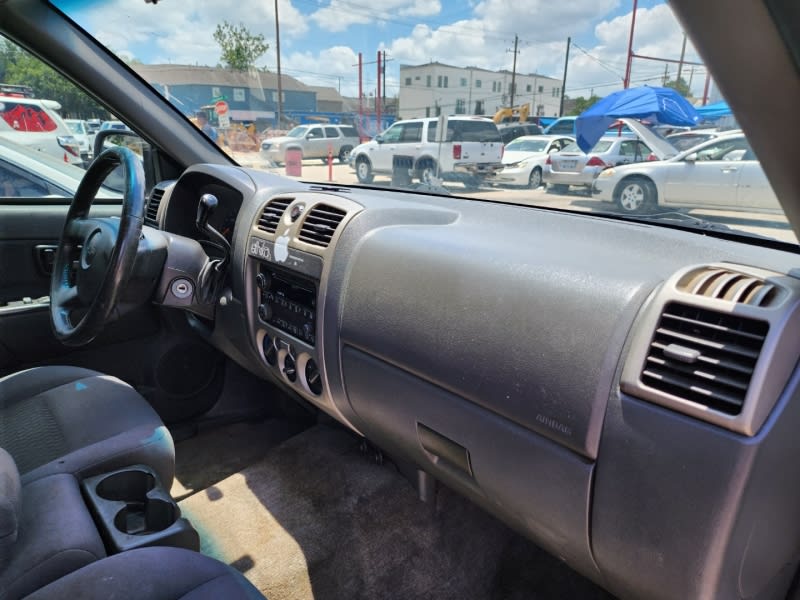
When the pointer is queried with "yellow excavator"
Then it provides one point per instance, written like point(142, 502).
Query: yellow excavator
point(512, 113)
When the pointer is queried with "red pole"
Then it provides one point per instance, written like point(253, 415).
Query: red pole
point(378, 98)
point(705, 89)
point(360, 93)
point(330, 163)
point(627, 82)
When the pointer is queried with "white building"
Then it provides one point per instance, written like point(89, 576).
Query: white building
point(435, 88)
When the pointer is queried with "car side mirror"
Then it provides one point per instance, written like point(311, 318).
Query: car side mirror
point(691, 157)
point(379, 138)
point(108, 138)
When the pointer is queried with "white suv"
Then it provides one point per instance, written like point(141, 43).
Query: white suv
point(471, 152)
point(35, 123)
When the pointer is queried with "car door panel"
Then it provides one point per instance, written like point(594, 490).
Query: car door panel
point(754, 190)
point(701, 183)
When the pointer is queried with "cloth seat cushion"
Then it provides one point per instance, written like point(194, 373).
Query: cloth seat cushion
point(156, 573)
point(74, 420)
point(55, 536)
point(10, 505)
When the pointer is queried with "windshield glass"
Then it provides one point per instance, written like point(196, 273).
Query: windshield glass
point(527, 146)
point(318, 70)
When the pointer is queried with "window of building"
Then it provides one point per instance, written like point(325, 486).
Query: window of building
point(238, 94)
point(461, 106)
point(427, 111)
point(541, 89)
point(417, 78)
point(479, 110)
point(494, 86)
point(408, 80)
point(556, 92)
point(439, 81)
point(540, 110)
point(216, 92)
point(528, 87)
point(438, 111)
point(428, 81)
point(463, 82)
point(445, 81)
point(477, 83)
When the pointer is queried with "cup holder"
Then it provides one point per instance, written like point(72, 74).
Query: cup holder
point(132, 509)
point(142, 518)
point(131, 486)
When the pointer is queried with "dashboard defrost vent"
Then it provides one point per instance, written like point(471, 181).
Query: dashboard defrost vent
point(320, 225)
point(704, 356)
point(724, 284)
point(272, 213)
point(151, 214)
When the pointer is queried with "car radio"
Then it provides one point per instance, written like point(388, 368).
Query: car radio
point(287, 301)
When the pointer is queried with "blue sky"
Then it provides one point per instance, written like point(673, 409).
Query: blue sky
point(320, 39)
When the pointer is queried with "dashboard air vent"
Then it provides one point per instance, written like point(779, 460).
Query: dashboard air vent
point(724, 284)
point(704, 356)
point(272, 213)
point(320, 225)
point(151, 214)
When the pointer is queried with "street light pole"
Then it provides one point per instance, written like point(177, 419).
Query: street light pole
point(564, 81)
point(627, 81)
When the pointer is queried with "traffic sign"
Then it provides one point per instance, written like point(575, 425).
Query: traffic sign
point(221, 107)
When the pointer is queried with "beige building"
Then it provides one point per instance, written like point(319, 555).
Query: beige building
point(435, 88)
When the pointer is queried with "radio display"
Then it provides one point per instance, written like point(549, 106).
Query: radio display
point(288, 302)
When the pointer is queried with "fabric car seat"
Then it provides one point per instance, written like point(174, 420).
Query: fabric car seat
point(73, 420)
point(155, 573)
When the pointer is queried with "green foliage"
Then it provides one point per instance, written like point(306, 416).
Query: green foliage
point(581, 104)
point(18, 67)
point(240, 48)
point(679, 86)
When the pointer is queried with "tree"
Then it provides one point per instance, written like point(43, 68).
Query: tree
point(581, 104)
point(240, 48)
point(679, 86)
point(22, 68)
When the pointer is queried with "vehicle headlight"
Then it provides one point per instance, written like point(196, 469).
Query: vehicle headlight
point(606, 173)
point(524, 164)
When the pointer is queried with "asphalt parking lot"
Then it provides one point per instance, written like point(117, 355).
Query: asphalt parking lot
point(769, 225)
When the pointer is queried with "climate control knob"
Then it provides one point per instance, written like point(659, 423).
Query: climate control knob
point(270, 351)
point(313, 377)
point(264, 312)
point(262, 281)
point(290, 366)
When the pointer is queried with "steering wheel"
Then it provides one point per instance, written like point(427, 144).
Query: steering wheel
point(95, 257)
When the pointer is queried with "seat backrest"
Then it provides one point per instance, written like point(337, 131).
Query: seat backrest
point(10, 505)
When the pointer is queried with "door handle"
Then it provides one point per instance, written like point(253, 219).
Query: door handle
point(45, 257)
point(729, 169)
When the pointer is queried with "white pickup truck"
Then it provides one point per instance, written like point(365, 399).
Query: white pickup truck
point(471, 151)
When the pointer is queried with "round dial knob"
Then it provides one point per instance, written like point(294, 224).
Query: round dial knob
point(313, 377)
point(264, 312)
point(263, 281)
point(270, 352)
point(290, 366)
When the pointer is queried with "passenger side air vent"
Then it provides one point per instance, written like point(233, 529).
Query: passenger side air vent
point(151, 214)
point(272, 213)
point(704, 356)
point(725, 284)
point(320, 225)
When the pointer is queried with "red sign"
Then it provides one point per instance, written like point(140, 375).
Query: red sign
point(221, 107)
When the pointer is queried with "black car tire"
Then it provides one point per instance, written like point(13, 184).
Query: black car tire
point(364, 170)
point(344, 154)
point(636, 195)
point(535, 179)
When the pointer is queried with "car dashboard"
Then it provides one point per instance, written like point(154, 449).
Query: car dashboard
point(622, 393)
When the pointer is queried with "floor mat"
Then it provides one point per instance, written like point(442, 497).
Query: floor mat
point(316, 519)
point(213, 455)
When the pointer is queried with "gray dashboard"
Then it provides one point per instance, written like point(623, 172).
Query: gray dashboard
point(505, 350)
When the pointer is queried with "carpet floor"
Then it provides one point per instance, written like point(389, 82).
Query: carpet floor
point(315, 519)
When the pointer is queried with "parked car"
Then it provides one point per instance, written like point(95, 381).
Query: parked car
point(82, 133)
point(35, 123)
point(693, 137)
point(471, 151)
point(524, 158)
point(561, 126)
point(28, 173)
point(511, 131)
point(113, 125)
point(720, 173)
point(571, 166)
point(314, 141)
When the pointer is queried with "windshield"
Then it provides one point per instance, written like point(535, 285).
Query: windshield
point(408, 68)
point(527, 146)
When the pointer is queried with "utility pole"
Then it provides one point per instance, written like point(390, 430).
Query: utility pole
point(564, 81)
point(666, 74)
point(360, 90)
point(683, 54)
point(378, 96)
point(383, 70)
point(691, 76)
point(514, 72)
point(627, 81)
point(278, 49)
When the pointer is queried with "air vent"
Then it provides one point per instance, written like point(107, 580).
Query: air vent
point(704, 356)
point(724, 284)
point(151, 214)
point(272, 214)
point(320, 225)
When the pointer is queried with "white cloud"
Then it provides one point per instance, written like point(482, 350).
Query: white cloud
point(185, 35)
point(339, 15)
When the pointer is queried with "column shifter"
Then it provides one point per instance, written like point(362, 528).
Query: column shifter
point(213, 273)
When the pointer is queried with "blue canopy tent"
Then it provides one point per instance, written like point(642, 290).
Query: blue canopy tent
point(655, 104)
point(711, 112)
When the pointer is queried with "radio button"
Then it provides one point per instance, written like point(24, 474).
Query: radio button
point(264, 312)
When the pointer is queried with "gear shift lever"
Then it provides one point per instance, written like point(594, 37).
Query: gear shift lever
point(206, 207)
